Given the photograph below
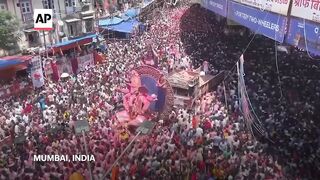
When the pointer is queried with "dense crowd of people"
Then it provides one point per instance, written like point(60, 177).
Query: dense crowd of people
point(287, 103)
point(209, 141)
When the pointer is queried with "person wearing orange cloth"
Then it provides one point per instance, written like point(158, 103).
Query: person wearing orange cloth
point(76, 176)
point(115, 173)
point(195, 122)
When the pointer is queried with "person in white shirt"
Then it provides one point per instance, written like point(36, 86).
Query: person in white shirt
point(223, 145)
point(217, 123)
point(171, 147)
point(25, 118)
point(199, 132)
point(16, 129)
point(236, 142)
point(190, 143)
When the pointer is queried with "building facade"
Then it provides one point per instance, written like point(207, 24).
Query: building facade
point(72, 18)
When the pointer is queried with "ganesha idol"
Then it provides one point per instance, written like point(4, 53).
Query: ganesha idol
point(136, 101)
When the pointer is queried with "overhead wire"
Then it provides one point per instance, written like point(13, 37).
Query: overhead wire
point(243, 95)
point(276, 57)
point(248, 45)
point(242, 89)
point(257, 124)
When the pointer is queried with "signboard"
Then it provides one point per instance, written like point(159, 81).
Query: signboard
point(262, 22)
point(232, 23)
point(276, 6)
point(85, 61)
point(43, 19)
point(304, 34)
point(48, 68)
point(217, 6)
point(36, 72)
point(146, 127)
point(81, 126)
point(306, 9)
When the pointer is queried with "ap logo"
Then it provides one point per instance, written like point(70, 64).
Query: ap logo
point(43, 19)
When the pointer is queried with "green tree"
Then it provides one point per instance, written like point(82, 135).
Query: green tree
point(9, 35)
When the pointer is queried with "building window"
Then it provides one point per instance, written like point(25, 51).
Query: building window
point(25, 7)
point(71, 30)
point(89, 25)
point(31, 38)
point(70, 3)
point(48, 4)
point(2, 7)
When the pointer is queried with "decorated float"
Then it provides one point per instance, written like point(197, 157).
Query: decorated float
point(148, 96)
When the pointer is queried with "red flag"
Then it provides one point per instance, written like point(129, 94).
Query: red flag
point(195, 122)
point(55, 72)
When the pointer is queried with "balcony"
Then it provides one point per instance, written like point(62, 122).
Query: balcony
point(72, 10)
point(27, 17)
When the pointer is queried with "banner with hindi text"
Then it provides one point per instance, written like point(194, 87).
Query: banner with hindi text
point(306, 9)
point(36, 72)
point(276, 6)
point(304, 34)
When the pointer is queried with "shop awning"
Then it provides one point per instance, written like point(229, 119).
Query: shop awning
point(88, 17)
point(20, 58)
point(147, 3)
point(87, 12)
point(72, 20)
point(29, 30)
point(110, 21)
point(124, 27)
point(133, 12)
point(73, 43)
point(9, 63)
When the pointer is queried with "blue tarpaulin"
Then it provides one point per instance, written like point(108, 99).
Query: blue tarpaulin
point(74, 40)
point(147, 1)
point(110, 21)
point(8, 63)
point(125, 18)
point(133, 12)
point(124, 27)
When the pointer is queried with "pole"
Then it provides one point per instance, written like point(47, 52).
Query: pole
point(59, 8)
point(225, 95)
point(87, 153)
point(95, 20)
point(108, 171)
point(45, 43)
point(57, 33)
